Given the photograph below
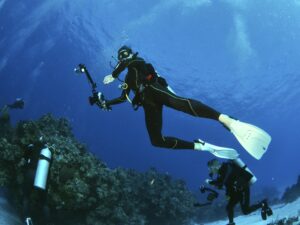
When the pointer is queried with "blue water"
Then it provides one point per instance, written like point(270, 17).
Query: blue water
point(239, 56)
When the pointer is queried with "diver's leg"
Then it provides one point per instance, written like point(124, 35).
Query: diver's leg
point(29, 175)
point(153, 118)
point(153, 115)
point(233, 200)
point(186, 105)
point(245, 202)
point(44, 211)
point(190, 106)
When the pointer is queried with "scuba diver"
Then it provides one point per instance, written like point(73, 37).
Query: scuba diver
point(152, 93)
point(237, 181)
point(17, 104)
point(36, 172)
point(5, 127)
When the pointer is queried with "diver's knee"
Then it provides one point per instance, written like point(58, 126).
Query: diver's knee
point(157, 142)
point(245, 211)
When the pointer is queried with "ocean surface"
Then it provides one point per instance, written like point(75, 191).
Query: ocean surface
point(238, 56)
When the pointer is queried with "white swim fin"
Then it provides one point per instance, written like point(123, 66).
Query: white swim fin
point(254, 140)
point(220, 152)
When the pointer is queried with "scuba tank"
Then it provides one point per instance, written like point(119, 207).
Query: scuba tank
point(41, 175)
point(28, 221)
point(242, 165)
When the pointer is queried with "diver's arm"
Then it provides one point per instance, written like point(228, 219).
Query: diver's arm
point(216, 183)
point(120, 99)
point(115, 74)
point(118, 69)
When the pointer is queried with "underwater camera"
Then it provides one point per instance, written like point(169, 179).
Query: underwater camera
point(212, 194)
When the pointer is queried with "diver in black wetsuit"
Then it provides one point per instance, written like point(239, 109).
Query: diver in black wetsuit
point(5, 127)
point(237, 183)
point(34, 202)
point(152, 93)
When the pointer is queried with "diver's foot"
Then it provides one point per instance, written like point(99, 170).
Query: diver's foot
point(203, 146)
point(232, 223)
point(264, 204)
point(269, 211)
point(218, 151)
point(226, 121)
point(263, 214)
point(265, 210)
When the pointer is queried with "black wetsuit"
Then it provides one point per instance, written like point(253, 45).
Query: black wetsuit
point(152, 93)
point(236, 180)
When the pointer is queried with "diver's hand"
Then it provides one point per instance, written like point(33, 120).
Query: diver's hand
point(207, 181)
point(102, 102)
point(95, 98)
point(98, 99)
point(108, 79)
point(105, 107)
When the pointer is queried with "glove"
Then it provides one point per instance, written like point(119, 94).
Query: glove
point(202, 189)
point(108, 79)
point(98, 98)
point(104, 106)
point(95, 98)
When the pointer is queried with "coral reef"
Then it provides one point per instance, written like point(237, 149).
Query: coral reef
point(292, 193)
point(286, 221)
point(83, 190)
